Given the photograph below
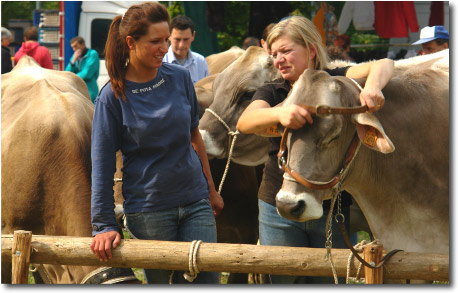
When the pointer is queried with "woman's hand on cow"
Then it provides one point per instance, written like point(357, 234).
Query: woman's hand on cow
point(103, 243)
point(217, 202)
point(373, 98)
point(294, 116)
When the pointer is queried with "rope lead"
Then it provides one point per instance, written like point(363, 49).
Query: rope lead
point(230, 133)
point(193, 269)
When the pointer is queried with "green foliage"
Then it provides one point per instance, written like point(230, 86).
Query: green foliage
point(30, 278)
point(237, 17)
point(362, 235)
point(176, 8)
point(304, 8)
point(367, 38)
point(23, 9)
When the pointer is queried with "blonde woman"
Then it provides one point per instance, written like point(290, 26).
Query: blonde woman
point(296, 45)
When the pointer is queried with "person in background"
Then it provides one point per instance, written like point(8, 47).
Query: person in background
point(149, 111)
point(7, 65)
point(341, 48)
point(85, 63)
point(31, 47)
point(181, 37)
point(250, 41)
point(296, 45)
point(265, 33)
point(433, 39)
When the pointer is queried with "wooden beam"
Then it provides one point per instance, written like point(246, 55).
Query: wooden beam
point(223, 257)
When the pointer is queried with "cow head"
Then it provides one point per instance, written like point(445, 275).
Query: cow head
point(232, 91)
point(316, 151)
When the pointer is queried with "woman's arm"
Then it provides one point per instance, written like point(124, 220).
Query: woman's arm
point(104, 144)
point(378, 74)
point(198, 144)
point(259, 116)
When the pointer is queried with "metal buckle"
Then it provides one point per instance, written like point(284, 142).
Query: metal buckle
point(322, 115)
point(281, 161)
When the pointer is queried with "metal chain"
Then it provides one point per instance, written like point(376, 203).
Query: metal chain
point(335, 196)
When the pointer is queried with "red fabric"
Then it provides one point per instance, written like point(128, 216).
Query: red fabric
point(394, 18)
point(39, 53)
point(437, 13)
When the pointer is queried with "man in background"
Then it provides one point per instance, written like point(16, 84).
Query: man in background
point(433, 39)
point(85, 63)
point(7, 65)
point(182, 34)
point(32, 48)
point(250, 41)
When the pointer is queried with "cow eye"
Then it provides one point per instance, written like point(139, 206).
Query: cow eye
point(328, 140)
point(333, 139)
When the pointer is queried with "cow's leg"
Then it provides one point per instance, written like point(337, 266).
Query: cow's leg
point(238, 221)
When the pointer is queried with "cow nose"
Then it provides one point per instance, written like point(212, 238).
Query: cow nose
point(298, 209)
point(291, 210)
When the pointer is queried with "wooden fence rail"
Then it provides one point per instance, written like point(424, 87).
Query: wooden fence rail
point(223, 257)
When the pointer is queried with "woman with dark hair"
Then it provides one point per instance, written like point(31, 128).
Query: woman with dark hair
point(149, 111)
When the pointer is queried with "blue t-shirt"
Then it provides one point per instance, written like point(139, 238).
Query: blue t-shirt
point(152, 128)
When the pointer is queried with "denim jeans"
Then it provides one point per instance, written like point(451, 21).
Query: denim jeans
point(277, 231)
point(184, 223)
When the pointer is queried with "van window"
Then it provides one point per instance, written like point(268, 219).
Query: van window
point(99, 34)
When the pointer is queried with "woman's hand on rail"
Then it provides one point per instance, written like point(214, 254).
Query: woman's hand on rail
point(103, 243)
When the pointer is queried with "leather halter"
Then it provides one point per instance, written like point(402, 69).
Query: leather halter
point(321, 110)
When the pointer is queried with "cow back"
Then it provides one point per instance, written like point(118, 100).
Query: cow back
point(46, 165)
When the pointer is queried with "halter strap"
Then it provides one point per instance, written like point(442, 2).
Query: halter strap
point(320, 111)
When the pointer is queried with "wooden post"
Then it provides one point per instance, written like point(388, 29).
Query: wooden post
point(373, 255)
point(22, 245)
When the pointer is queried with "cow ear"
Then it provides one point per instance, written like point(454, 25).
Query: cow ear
point(372, 134)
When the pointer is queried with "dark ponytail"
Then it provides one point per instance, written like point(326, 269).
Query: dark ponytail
point(135, 23)
point(116, 56)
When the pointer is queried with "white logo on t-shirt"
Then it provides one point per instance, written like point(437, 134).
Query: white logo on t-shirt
point(149, 88)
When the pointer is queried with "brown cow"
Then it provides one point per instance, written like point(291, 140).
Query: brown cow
point(216, 64)
point(403, 192)
point(232, 90)
point(220, 61)
point(238, 221)
point(46, 160)
point(204, 92)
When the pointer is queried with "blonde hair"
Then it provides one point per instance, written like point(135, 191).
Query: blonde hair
point(303, 32)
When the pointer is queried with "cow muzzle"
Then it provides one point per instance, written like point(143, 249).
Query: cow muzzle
point(299, 208)
point(212, 147)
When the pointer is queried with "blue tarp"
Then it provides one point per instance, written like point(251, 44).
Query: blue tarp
point(72, 17)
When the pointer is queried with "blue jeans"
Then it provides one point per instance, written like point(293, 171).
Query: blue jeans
point(277, 231)
point(185, 223)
